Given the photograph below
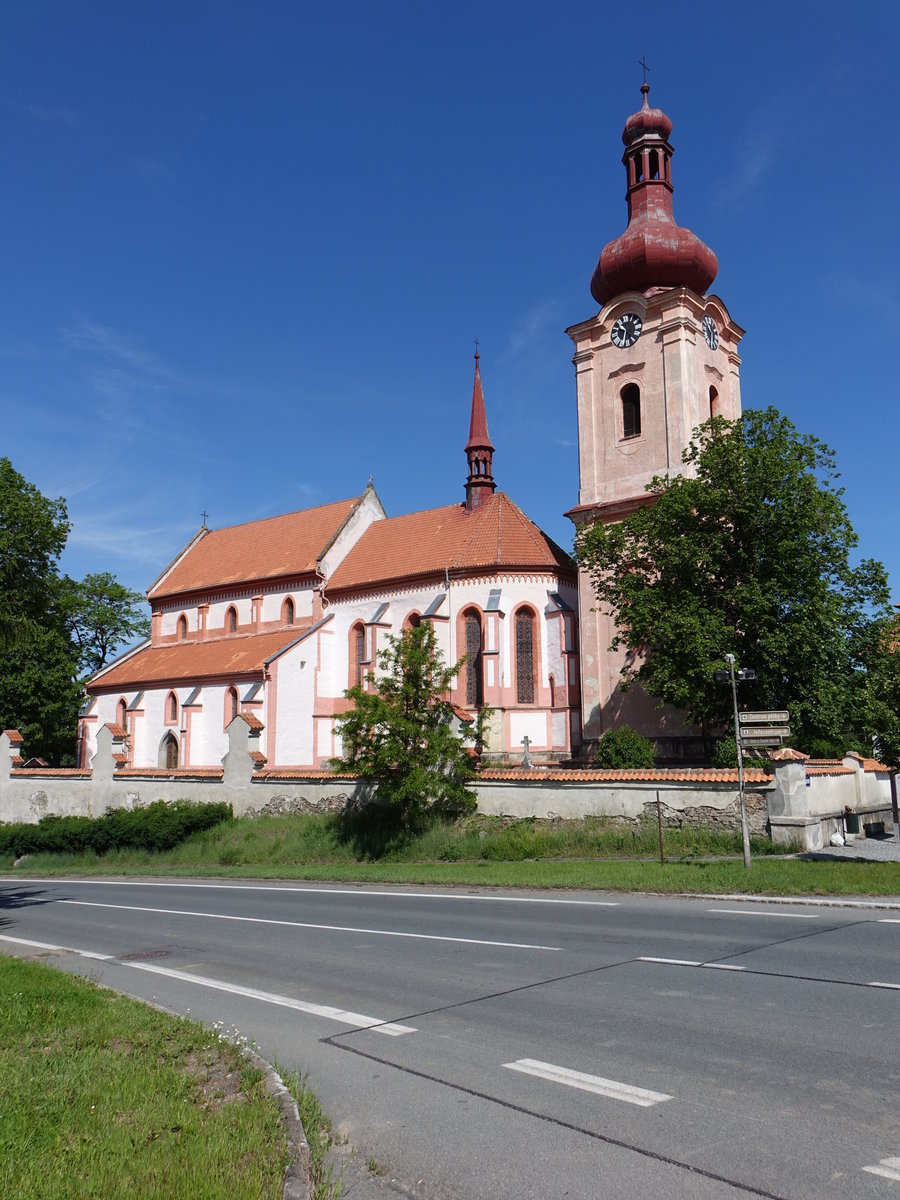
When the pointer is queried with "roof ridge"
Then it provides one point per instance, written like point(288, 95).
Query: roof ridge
point(294, 512)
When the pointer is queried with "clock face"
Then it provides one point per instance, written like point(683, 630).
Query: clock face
point(710, 333)
point(626, 330)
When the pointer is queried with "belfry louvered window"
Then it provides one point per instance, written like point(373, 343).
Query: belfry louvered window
point(474, 684)
point(525, 657)
point(631, 411)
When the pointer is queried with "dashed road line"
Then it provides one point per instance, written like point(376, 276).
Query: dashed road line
point(756, 912)
point(893, 986)
point(715, 966)
point(588, 1083)
point(329, 1012)
point(888, 1168)
point(426, 937)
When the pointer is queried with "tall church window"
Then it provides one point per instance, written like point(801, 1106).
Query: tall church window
point(121, 710)
point(358, 659)
point(171, 708)
point(713, 402)
point(182, 628)
point(474, 660)
point(231, 620)
point(231, 705)
point(287, 612)
point(631, 410)
point(525, 656)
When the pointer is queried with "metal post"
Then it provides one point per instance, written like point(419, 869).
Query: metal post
point(894, 811)
point(745, 830)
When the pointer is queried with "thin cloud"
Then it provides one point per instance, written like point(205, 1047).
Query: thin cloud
point(532, 328)
point(108, 342)
point(756, 156)
point(53, 114)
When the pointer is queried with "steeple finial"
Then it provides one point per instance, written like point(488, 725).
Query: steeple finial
point(480, 484)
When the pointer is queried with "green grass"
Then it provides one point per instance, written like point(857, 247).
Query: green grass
point(324, 1184)
point(101, 1096)
point(593, 853)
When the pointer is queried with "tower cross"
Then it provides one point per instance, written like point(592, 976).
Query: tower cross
point(476, 347)
point(204, 515)
point(642, 62)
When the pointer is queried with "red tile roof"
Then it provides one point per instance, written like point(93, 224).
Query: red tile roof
point(191, 662)
point(497, 534)
point(269, 549)
point(14, 736)
point(172, 773)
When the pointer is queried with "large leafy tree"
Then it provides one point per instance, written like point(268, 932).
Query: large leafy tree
point(399, 733)
point(53, 630)
point(101, 615)
point(749, 551)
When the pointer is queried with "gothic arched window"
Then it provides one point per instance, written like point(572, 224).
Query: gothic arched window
point(168, 752)
point(231, 620)
point(713, 402)
point(231, 705)
point(474, 660)
point(121, 711)
point(182, 627)
point(524, 656)
point(631, 410)
point(358, 659)
point(171, 708)
point(287, 612)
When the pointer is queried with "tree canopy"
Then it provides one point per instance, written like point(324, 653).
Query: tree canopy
point(400, 732)
point(54, 630)
point(749, 551)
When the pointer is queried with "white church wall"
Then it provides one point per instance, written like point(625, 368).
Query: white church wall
point(365, 514)
point(295, 682)
point(532, 725)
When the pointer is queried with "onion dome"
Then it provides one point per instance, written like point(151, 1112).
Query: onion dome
point(653, 252)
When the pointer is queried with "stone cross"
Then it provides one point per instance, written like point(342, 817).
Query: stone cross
point(526, 757)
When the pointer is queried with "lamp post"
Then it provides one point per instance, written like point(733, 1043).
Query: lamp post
point(722, 676)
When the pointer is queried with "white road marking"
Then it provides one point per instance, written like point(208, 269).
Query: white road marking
point(588, 1083)
point(427, 937)
point(674, 962)
point(894, 986)
point(755, 912)
point(318, 891)
point(889, 920)
point(358, 1020)
point(889, 1168)
point(722, 967)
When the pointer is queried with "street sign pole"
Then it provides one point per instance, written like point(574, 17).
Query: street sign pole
point(745, 830)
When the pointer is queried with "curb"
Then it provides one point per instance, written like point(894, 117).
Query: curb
point(809, 901)
point(296, 1175)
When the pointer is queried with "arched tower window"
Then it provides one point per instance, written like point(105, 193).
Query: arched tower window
point(631, 410)
point(182, 628)
point(524, 631)
point(713, 402)
point(287, 612)
point(474, 660)
point(168, 752)
point(231, 620)
point(231, 705)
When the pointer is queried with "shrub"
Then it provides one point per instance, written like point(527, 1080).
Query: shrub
point(157, 827)
point(623, 748)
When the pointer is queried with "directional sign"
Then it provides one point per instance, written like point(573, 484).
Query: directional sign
point(768, 731)
point(764, 718)
point(760, 741)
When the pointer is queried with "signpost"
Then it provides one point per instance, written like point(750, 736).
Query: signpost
point(759, 729)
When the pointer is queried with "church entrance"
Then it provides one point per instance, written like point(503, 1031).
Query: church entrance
point(168, 752)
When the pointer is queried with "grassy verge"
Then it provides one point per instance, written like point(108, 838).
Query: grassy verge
point(103, 1096)
point(593, 853)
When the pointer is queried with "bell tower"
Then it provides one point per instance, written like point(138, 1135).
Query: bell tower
point(657, 360)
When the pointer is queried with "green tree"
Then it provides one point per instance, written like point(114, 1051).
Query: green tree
point(748, 552)
point(881, 694)
point(626, 749)
point(400, 734)
point(52, 629)
point(101, 615)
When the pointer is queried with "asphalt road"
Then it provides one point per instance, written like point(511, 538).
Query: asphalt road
point(500, 1046)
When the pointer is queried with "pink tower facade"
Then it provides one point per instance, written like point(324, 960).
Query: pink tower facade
point(657, 360)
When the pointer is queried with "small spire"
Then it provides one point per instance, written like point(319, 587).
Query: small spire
point(479, 451)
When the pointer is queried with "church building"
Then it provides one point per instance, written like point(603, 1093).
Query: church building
point(273, 620)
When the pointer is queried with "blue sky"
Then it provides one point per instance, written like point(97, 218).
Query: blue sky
point(247, 247)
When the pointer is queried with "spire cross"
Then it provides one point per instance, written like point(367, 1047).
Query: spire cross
point(642, 62)
point(204, 515)
point(476, 347)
